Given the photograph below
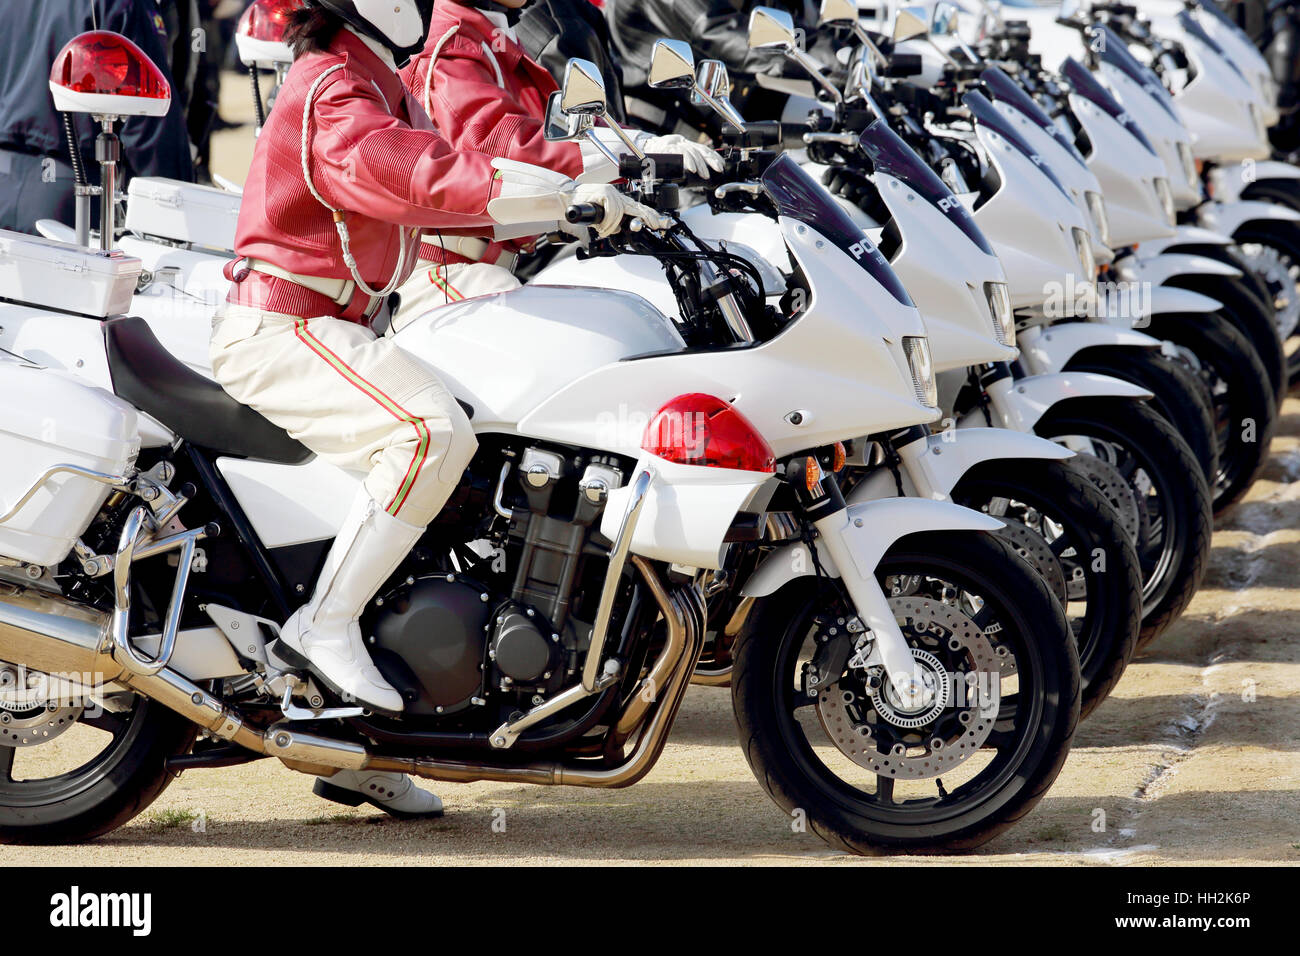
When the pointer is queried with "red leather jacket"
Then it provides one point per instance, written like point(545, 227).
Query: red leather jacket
point(485, 94)
point(373, 154)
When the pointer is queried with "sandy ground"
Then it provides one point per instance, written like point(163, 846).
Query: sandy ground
point(1192, 760)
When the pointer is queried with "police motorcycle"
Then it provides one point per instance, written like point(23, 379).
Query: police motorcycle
point(1052, 515)
point(1220, 338)
point(907, 681)
point(1163, 508)
point(1250, 221)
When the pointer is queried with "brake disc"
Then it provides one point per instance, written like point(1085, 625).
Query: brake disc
point(1108, 480)
point(30, 712)
point(1275, 269)
point(864, 718)
point(1033, 547)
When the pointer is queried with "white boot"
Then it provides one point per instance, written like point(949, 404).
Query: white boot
point(368, 548)
point(394, 793)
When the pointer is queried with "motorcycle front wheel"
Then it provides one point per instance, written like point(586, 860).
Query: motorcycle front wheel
point(1178, 393)
point(1166, 486)
point(1071, 534)
point(1244, 404)
point(829, 741)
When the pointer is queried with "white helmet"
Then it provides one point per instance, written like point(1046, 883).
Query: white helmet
point(400, 25)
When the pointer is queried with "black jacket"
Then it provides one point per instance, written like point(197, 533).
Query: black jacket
point(553, 32)
point(716, 30)
point(34, 31)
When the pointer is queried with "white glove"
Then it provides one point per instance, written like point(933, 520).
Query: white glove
point(532, 195)
point(617, 206)
point(697, 157)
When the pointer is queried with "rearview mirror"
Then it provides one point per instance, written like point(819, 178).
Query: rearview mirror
point(583, 90)
point(672, 66)
point(944, 20)
point(770, 28)
point(909, 23)
point(837, 13)
point(561, 127)
point(712, 77)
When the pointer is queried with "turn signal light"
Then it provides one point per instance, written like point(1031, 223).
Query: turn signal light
point(700, 429)
point(841, 456)
point(812, 473)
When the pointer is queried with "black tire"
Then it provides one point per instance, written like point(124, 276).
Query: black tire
point(1175, 547)
point(1280, 192)
point(1180, 395)
point(1244, 405)
point(1103, 576)
point(107, 791)
point(1251, 317)
point(1284, 239)
point(1031, 733)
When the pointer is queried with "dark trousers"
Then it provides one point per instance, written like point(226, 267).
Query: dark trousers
point(32, 188)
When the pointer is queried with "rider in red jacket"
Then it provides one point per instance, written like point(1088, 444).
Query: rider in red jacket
point(346, 177)
point(484, 93)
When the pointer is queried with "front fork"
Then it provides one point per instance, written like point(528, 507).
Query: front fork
point(822, 503)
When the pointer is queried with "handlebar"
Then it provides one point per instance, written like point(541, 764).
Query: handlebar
point(584, 213)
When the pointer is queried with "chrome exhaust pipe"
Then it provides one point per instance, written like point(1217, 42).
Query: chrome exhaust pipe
point(56, 636)
point(70, 641)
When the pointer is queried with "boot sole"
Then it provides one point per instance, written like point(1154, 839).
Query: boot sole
point(351, 798)
point(282, 653)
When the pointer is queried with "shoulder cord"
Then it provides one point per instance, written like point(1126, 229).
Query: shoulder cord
point(339, 222)
point(428, 76)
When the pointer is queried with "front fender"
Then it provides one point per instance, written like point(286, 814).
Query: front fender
point(1050, 349)
point(1167, 299)
point(1228, 182)
point(1188, 235)
point(932, 468)
point(872, 528)
point(1029, 399)
point(1227, 218)
point(1158, 270)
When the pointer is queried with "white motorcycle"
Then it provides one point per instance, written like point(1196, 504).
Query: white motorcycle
point(155, 534)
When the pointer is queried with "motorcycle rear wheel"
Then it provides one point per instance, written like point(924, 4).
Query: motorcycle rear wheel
point(103, 792)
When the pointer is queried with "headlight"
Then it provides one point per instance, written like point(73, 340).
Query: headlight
point(1189, 166)
point(919, 360)
point(1166, 197)
point(1097, 208)
point(1004, 323)
point(1087, 264)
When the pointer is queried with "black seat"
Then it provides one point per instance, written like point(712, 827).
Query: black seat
point(195, 408)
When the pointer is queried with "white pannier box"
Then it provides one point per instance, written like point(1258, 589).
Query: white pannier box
point(49, 418)
point(65, 276)
point(182, 212)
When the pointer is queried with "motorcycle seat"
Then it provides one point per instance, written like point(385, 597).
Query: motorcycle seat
point(195, 408)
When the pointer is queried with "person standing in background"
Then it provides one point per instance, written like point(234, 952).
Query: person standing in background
point(36, 174)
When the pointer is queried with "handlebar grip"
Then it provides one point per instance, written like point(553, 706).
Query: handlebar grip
point(584, 213)
point(668, 167)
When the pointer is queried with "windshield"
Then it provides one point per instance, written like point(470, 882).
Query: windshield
point(1193, 28)
point(800, 197)
point(985, 114)
point(893, 157)
point(1114, 51)
point(1086, 85)
point(1002, 87)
